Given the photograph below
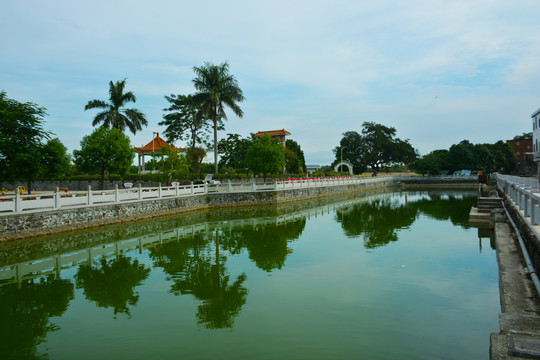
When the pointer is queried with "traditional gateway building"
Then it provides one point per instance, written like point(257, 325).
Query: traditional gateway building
point(151, 148)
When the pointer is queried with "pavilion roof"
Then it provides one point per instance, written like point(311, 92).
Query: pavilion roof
point(155, 145)
point(273, 132)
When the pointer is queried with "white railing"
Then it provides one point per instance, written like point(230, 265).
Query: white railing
point(21, 203)
point(46, 201)
point(523, 194)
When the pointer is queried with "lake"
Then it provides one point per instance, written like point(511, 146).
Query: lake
point(390, 274)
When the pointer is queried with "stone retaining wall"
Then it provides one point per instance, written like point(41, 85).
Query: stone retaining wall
point(32, 224)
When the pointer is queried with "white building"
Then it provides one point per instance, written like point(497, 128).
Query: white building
point(536, 138)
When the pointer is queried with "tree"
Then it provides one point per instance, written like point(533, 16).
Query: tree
point(403, 152)
point(524, 136)
point(104, 150)
point(114, 114)
point(294, 157)
point(185, 120)
point(377, 146)
point(21, 136)
point(216, 88)
point(55, 160)
point(266, 156)
point(351, 149)
point(233, 151)
point(173, 164)
point(194, 158)
point(377, 143)
point(504, 157)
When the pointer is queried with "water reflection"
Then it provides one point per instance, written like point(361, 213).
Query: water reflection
point(197, 266)
point(376, 220)
point(112, 283)
point(194, 270)
point(25, 312)
point(195, 253)
point(379, 219)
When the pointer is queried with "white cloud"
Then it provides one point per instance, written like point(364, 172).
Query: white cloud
point(439, 71)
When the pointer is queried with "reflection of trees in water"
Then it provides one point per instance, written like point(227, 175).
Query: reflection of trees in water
point(266, 243)
point(27, 311)
point(197, 265)
point(195, 270)
point(376, 220)
point(112, 284)
point(455, 209)
point(379, 219)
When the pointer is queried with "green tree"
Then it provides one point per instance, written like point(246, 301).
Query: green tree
point(21, 136)
point(524, 136)
point(185, 119)
point(351, 149)
point(114, 114)
point(403, 152)
point(294, 157)
point(173, 164)
point(233, 151)
point(504, 157)
point(104, 150)
point(377, 144)
point(266, 155)
point(216, 88)
point(194, 157)
point(55, 160)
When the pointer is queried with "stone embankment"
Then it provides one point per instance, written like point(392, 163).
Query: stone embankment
point(13, 226)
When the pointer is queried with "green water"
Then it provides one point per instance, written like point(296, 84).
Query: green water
point(391, 275)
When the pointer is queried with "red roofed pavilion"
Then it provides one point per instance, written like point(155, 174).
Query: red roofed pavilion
point(155, 145)
point(275, 133)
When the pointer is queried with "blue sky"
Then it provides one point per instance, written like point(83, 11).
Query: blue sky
point(438, 71)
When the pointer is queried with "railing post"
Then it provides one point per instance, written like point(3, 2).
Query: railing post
point(205, 188)
point(116, 194)
point(176, 189)
point(526, 197)
point(275, 185)
point(533, 206)
point(192, 188)
point(56, 198)
point(253, 188)
point(18, 202)
point(89, 195)
point(229, 186)
point(159, 191)
point(140, 192)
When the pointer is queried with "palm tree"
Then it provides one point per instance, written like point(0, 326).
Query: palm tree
point(114, 115)
point(216, 88)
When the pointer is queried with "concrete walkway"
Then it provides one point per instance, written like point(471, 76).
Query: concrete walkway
point(519, 321)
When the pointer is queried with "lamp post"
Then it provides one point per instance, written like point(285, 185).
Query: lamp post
point(341, 148)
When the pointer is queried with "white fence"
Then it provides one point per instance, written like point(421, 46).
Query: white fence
point(524, 194)
point(22, 203)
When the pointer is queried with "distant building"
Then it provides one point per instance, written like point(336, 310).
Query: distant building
point(522, 148)
point(275, 133)
point(536, 137)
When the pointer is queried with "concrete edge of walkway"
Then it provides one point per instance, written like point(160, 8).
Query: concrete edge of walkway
point(519, 321)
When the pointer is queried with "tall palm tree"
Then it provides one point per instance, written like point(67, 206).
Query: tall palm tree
point(216, 88)
point(114, 114)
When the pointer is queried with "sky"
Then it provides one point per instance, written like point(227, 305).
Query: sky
point(437, 71)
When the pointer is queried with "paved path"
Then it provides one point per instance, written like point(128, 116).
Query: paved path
point(519, 321)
